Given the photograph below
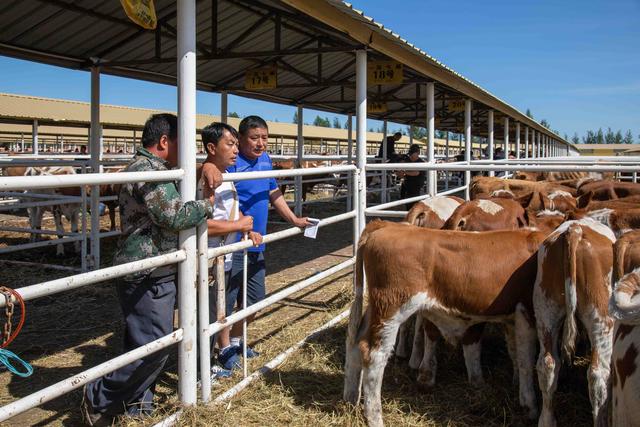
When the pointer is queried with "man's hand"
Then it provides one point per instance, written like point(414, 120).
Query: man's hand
point(245, 223)
point(255, 237)
point(300, 222)
point(211, 176)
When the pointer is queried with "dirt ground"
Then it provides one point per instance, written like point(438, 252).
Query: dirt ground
point(70, 332)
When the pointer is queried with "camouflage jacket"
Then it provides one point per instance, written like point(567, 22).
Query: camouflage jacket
point(151, 215)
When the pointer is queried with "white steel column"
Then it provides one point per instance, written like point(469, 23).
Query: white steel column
point(96, 158)
point(526, 142)
point(517, 140)
point(186, 56)
point(506, 137)
point(224, 107)
point(361, 134)
point(22, 142)
point(299, 152)
point(467, 145)
point(432, 183)
point(349, 161)
point(490, 139)
point(34, 137)
point(385, 157)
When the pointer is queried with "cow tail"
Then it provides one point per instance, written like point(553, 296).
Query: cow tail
point(574, 235)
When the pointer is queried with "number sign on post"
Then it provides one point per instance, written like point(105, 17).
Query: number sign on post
point(376, 107)
point(261, 78)
point(384, 73)
point(455, 106)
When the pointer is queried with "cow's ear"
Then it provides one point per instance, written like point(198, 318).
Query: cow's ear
point(525, 200)
point(584, 200)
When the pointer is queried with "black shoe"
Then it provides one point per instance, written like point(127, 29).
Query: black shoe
point(91, 417)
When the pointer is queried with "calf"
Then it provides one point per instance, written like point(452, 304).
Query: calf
point(487, 214)
point(71, 211)
point(624, 307)
point(433, 212)
point(453, 279)
point(620, 220)
point(574, 280)
point(609, 190)
point(586, 201)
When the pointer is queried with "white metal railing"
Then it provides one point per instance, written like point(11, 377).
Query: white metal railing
point(207, 328)
point(101, 275)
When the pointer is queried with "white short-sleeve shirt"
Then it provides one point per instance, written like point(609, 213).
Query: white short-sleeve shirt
point(225, 208)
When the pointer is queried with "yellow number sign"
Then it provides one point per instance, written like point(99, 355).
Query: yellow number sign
point(384, 73)
point(142, 12)
point(376, 107)
point(261, 78)
point(455, 106)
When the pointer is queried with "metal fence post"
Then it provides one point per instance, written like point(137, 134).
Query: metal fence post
point(187, 360)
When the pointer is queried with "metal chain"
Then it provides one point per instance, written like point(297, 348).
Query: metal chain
point(8, 311)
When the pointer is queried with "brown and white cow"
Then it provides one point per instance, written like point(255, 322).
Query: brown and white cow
point(433, 212)
point(450, 276)
point(620, 220)
point(486, 215)
point(586, 201)
point(574, 281)
point(624, 307)
point(71, 210)
point(609, 190)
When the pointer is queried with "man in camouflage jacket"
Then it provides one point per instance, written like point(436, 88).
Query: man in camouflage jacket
point(151, 215)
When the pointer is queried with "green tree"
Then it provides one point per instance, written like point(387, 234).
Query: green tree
point(628, 138)
point(589, 138)
point(618, 137)
point(529, 113)
point(234, 115)
point(336, 123)
point(418, 132)
point(575, 139)
point(609, 137)
point(545, 123)
point(322, 122)
point(295, 117)
point(599, 137)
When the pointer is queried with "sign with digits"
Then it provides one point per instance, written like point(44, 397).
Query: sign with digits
point(384, 73)
point(376, 107)
point(261, 78)
point(455, 106)
point(142, 12)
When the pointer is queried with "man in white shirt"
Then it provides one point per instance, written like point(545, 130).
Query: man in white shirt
point(221, 143)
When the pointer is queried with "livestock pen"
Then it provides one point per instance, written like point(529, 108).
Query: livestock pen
point(307, 327)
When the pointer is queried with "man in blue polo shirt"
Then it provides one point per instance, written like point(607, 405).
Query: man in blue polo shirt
point(254, 196)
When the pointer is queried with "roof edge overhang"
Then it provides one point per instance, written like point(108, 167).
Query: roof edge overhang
point(335, 14)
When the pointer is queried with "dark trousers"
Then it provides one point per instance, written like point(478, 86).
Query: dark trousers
point(409, 191)
point(148, 312)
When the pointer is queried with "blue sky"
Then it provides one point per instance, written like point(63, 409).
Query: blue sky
point(574, 63)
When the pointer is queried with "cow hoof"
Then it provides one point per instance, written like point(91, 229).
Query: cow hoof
point(425, 386)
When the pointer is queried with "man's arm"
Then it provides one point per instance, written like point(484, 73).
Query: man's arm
point(280, 205)
point(166, 209)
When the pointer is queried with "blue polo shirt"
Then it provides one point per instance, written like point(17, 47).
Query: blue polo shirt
point(253, 195)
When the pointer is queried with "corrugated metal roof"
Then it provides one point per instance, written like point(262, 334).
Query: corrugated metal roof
point(73, 33)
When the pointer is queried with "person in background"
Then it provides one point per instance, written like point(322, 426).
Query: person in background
point(413, 180)
point(391, 140)
point(221, 143)
point(152, 214)
point(255, 196)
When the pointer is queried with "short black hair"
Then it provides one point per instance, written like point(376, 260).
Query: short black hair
point(158, 125)
point(414, 148)
point(212, 133)
point(251, 122)
point(398, 134)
